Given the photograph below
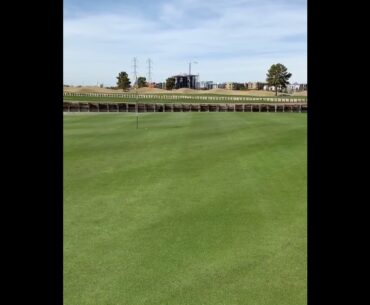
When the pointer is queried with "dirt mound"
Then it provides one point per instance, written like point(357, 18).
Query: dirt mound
point(146, 90)
point(219, 91)
point(241, 92)
point(149, 90)
point(90, 89)
point(94, 89)
point(186, 90)
point(300, 93)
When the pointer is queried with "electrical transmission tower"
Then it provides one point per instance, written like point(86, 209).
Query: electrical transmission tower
point(135, 71)
point(149, 61)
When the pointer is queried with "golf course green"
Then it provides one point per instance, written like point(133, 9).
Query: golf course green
point(186, 209)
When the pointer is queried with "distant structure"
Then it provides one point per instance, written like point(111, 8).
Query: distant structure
point(204, 85)
point(303, 87)
point(185, 81)
point(230, 86)
point(159, 85)
point(255, 85)
point(272, 88)
point(292, 87)
point(235, 86)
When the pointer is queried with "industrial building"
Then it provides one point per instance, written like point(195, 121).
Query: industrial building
point(185, 81)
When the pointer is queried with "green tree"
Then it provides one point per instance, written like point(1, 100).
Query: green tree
point(170, 83)
point(278, 76)
point(123, 81)
point(141, 82)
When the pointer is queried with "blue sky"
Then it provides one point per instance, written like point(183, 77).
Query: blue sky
point(231, 40)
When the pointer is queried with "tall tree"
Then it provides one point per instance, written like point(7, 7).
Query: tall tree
point(278, 76)
point(170, 83)
point(123, 81)
point(141, 82)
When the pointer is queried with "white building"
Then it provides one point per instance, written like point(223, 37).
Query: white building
point(205, 85)
point(293, 87)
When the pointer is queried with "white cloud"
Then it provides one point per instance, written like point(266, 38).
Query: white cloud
point(233, 41)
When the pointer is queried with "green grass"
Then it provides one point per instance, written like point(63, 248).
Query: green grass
point(162, 101)
point(189, 209)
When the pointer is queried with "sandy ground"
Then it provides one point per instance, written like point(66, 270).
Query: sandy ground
point(92, 89)
point(302, 93)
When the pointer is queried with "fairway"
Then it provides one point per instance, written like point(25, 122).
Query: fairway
point(188, 209)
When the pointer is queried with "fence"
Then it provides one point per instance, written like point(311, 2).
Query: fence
point(192, 97)
point(177, 107)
